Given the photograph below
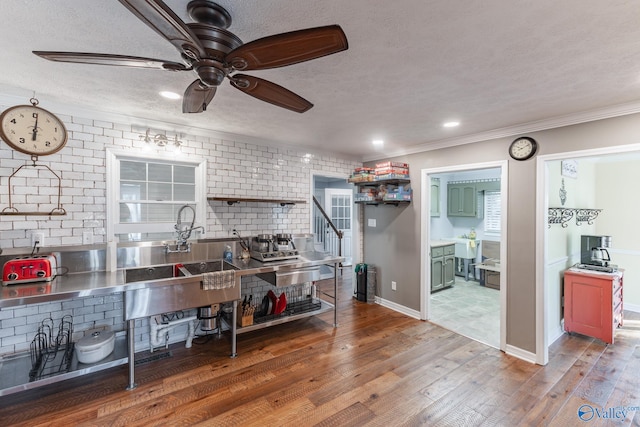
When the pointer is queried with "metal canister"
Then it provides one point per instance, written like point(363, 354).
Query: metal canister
point(208, 319)
point(264, 242)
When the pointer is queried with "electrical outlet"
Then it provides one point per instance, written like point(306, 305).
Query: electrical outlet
point(393, 285)
point(371, 222)
point(37, 239)
point(87, 238)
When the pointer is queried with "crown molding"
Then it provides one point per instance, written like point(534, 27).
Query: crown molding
point(138, 123)
point(509, 131)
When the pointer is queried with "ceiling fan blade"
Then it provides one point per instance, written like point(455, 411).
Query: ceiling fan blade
point(270, 92)
point(288, 48)
point(197, 97)
point(107, 59)
point(165, 22)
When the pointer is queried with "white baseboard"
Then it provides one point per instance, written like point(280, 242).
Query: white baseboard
point(399, 308)
point(527, 356)
point(555, 334)
point(632, 307)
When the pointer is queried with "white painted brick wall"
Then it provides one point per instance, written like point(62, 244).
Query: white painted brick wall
point(234, 169)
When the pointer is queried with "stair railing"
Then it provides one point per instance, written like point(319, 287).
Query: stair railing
point(326, 232)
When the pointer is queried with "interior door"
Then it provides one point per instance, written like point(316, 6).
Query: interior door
point(338, 204)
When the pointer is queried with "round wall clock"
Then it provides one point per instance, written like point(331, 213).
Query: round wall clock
point(32, 130)
point(523, 148)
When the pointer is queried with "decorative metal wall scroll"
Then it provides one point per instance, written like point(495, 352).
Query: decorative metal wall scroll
point(562, 216)
point(563, 194)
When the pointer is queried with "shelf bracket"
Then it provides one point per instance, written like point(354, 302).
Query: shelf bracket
point(562, 216)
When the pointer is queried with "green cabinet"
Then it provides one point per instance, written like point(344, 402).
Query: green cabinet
point(435, 197)
point(442, 267)
point(462, 200)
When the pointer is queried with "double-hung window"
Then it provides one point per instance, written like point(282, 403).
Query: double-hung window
point(146, 195)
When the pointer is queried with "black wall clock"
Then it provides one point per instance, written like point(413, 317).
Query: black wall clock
point(523, 148)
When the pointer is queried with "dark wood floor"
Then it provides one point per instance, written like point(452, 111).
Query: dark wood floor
point(378, 368)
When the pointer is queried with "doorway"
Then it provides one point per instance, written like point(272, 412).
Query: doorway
point(335, 195)
point(594, 173)
point(477, 298)
point(338, 204)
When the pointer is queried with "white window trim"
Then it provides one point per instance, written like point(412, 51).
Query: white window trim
point(113, 158)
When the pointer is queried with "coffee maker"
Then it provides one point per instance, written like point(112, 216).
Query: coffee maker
point(593, 250)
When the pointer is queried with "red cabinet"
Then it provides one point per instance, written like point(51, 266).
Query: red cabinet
point(593, 303)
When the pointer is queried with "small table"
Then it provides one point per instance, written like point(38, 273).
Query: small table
point(493, 266)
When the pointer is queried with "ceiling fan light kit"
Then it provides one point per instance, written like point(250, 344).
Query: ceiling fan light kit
point(213, 53)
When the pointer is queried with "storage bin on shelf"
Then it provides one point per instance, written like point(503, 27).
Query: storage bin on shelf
point(366, 194)
point(398, 194)
point(388, 183)
point(395, 192)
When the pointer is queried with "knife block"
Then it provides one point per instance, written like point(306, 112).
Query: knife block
point(245, 320)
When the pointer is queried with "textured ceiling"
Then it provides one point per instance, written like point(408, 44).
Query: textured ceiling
point(410, 66)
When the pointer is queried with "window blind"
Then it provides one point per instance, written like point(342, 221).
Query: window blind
point(492, 204)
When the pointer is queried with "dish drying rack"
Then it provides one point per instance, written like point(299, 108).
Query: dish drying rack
point(51, 355)
point(300, 299)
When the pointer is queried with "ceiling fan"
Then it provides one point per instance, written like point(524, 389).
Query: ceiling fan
point(214, 53)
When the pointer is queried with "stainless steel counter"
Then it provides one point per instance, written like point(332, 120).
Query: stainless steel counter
point(306, 259)
point(74, 285)
point(84, 284)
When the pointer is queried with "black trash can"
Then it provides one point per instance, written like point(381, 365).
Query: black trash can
point(361, 282)
point(371, 284)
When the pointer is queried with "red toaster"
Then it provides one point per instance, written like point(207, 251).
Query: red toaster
point(29, 269)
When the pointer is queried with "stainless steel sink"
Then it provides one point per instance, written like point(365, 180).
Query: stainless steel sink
point(181, 291)
point(206, 267)
point(145, 274)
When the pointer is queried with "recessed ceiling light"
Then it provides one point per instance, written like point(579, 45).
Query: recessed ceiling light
point(169, 95)
point(377, 143)
point(451, 124)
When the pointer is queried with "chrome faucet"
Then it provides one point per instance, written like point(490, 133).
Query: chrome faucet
point(184, 232)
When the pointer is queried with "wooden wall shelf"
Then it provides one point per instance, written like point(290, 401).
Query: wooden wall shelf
point(232, 200)
point(18, 213)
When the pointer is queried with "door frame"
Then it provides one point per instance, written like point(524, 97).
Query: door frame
point(356, 235)
point(328, 192)
point(542, 215)
point(425, 232)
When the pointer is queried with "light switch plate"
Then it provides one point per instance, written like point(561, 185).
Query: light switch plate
point(371, 222)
